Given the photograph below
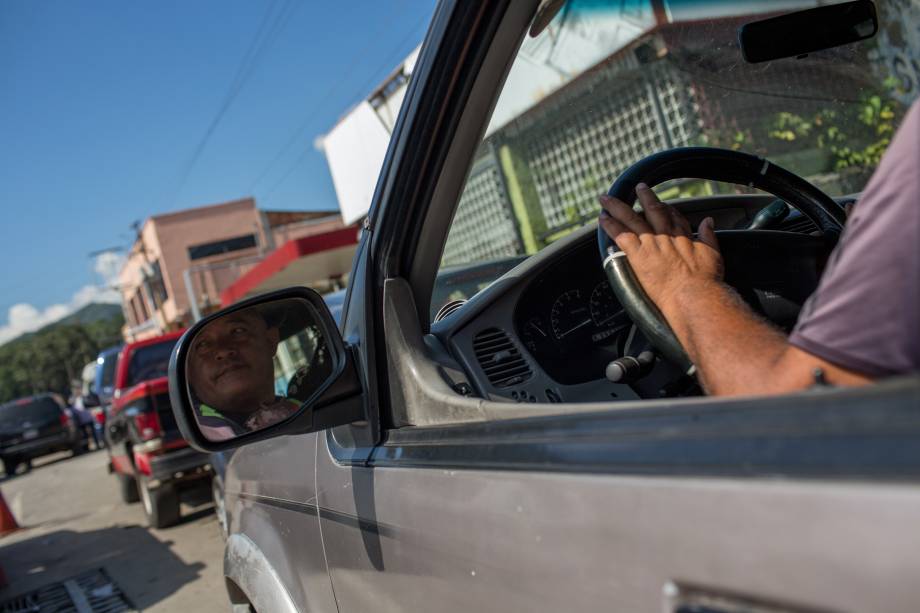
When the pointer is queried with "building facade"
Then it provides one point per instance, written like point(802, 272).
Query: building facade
point(181, 262)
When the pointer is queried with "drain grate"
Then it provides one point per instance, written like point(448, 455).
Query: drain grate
point(89, 592)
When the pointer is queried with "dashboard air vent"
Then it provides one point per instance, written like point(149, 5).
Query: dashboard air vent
point(499, 358)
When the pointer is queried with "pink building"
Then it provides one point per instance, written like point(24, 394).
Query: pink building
point(181, 262)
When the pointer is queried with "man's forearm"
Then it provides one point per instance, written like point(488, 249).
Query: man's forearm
point(735, 351)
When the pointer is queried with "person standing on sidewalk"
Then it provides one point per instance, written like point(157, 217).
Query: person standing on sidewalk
point(84, 420)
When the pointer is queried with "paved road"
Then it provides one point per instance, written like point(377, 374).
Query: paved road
point(74, 521)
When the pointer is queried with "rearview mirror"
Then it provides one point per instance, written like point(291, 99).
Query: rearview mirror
point(268, 366)
point(804, 32)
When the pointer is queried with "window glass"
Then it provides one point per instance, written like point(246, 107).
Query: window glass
point(37, 410)
point(227, 245)
point(108, 371)
point(608, 83)
point(150, 362)
point(158, 285)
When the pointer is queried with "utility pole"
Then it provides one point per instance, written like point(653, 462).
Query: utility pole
point(660, 11)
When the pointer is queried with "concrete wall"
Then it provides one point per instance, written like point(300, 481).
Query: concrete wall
point(165, 239)
point(283, 234)
point(178, 231)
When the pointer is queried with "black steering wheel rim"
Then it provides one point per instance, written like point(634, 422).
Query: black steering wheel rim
point(709, 164)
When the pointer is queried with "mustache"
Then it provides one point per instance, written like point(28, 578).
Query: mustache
point(231, 365)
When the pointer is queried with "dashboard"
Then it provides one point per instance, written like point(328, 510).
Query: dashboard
point(543, 332)
point(546, 330)
point(569, 320)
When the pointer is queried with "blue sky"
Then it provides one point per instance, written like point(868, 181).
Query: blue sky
point(103, 103)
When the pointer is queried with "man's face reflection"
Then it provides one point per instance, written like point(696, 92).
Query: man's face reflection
point(230, 363)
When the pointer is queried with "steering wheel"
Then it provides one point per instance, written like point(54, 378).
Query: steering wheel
point(716, 165)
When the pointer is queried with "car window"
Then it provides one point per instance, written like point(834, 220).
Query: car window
point(150, 362)
point(107, 376)
point(606, 84)
point(36, 410)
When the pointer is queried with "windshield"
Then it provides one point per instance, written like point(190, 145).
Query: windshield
point(608, 83)
point(150, 362)
point(35, 410)
point(107, 363)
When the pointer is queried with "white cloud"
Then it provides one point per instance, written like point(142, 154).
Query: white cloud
point(24, 317)
point(108, 264)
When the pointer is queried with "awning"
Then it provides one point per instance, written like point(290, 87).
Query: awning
point(301, 261)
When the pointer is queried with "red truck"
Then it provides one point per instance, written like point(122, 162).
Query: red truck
point(148, 455)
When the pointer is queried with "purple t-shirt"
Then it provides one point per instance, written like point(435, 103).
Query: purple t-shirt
point(865, 314)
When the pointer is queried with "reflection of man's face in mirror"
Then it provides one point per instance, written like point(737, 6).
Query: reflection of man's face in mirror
point(230, 362)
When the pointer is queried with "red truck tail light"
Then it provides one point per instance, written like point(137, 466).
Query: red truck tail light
point(148, 425)
point(66, 420)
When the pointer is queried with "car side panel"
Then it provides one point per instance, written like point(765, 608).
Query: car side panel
point(117, 442)
point(404, 539)
point(255, 579)
point(270, 500)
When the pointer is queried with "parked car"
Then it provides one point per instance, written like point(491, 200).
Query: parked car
point(35, 426)
point(148, 455)
point(104, 386)
point(486, 461)
point(83, 403)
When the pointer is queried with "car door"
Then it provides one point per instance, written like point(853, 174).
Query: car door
point(274, 553)
point(803, 504)
point(446, 501)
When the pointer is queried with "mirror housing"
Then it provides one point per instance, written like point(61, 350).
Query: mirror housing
point(803, 32)
point(338, 401)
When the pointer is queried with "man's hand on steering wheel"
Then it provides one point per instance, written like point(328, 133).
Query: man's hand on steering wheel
point(661, 249)
point(735, 351)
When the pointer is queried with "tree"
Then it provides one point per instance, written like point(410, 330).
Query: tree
point(52, 358)
point(856, 136)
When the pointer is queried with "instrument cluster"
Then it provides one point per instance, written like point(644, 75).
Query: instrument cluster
point(569, 320)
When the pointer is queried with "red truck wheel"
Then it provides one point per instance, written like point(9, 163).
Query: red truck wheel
point(127, 487)
point(161, 504)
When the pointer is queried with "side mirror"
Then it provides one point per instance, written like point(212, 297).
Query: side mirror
point(804, 32)
point(90, 400)
point(268, 366)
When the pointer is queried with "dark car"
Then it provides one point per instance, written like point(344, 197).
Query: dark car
point(106, 363)
point(35, 426)
point(104, 382)
point(104, 385)
point(151, 460)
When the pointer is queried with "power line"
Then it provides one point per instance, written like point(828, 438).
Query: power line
point(264, 38)
point(375, 75)
point(93, 254)
point(391, 59)
point(297, 134)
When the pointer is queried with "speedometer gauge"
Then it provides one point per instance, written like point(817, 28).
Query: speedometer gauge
point(605, 310)
point(535, 335)
point(569, 315)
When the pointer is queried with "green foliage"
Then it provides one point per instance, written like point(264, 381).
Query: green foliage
point(51, 358)
point(693, 188)
point(728, 138)
point(856, 136)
